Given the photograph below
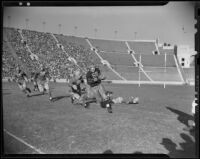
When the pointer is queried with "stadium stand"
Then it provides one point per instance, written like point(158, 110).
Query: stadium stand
point(190, 74)
point(109, 45)
point(153, 60)
point(128, 72)
point(74, 40)
point(79, 51)
point(165, 51)
point(142, 47)
point(117, 59)
point(110, 75)
point(49, 48)
point(23, 55)
point(9, 63)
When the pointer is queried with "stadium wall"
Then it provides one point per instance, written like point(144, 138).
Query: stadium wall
point(125, 82)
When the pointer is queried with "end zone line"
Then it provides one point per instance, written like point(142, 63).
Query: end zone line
point(30, 146)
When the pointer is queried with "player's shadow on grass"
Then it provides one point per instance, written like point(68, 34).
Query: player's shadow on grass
point(182, 117)
point(59, 97)
point(36, 94)
point(187, 147)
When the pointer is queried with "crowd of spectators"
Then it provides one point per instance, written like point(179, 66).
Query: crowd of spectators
point(80, 53)
point(9, 63)
point(20, 49)
point(45, 46)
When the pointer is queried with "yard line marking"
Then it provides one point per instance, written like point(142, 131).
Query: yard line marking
point(24, 142)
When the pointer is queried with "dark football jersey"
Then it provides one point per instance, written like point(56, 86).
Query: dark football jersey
point(20, 76)
point(93, 77)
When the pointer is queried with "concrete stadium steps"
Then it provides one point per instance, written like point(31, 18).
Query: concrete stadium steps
point(190, 74)
point(165, 51)
point(109, 45)
point(142, 47)
point(74, 40)
point(117, 59)
point(163, 74)
point(109, 74)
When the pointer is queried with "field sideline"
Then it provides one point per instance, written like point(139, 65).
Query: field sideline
point(155, 125)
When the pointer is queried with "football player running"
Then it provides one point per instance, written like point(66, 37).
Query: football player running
point(43, 79)
point(21, 79)
point(95, 89)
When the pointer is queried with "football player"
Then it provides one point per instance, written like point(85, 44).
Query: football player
point(34, 76)
point(21, 79)
point(75, 87)
point(43, 79)
point(120, 100)
point(95, 89)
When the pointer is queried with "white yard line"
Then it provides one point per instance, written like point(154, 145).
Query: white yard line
point(24, 142)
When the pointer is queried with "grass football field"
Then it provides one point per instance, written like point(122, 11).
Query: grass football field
point(156, 125)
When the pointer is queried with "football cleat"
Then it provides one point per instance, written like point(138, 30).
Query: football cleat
point(72, 100)
point(86, 105)
point(109, 108)
point(27, 95)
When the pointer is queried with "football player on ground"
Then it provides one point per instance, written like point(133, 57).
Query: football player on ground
point(121, 100)
point(95, 89)
point(43, 79)
point(21, 79)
